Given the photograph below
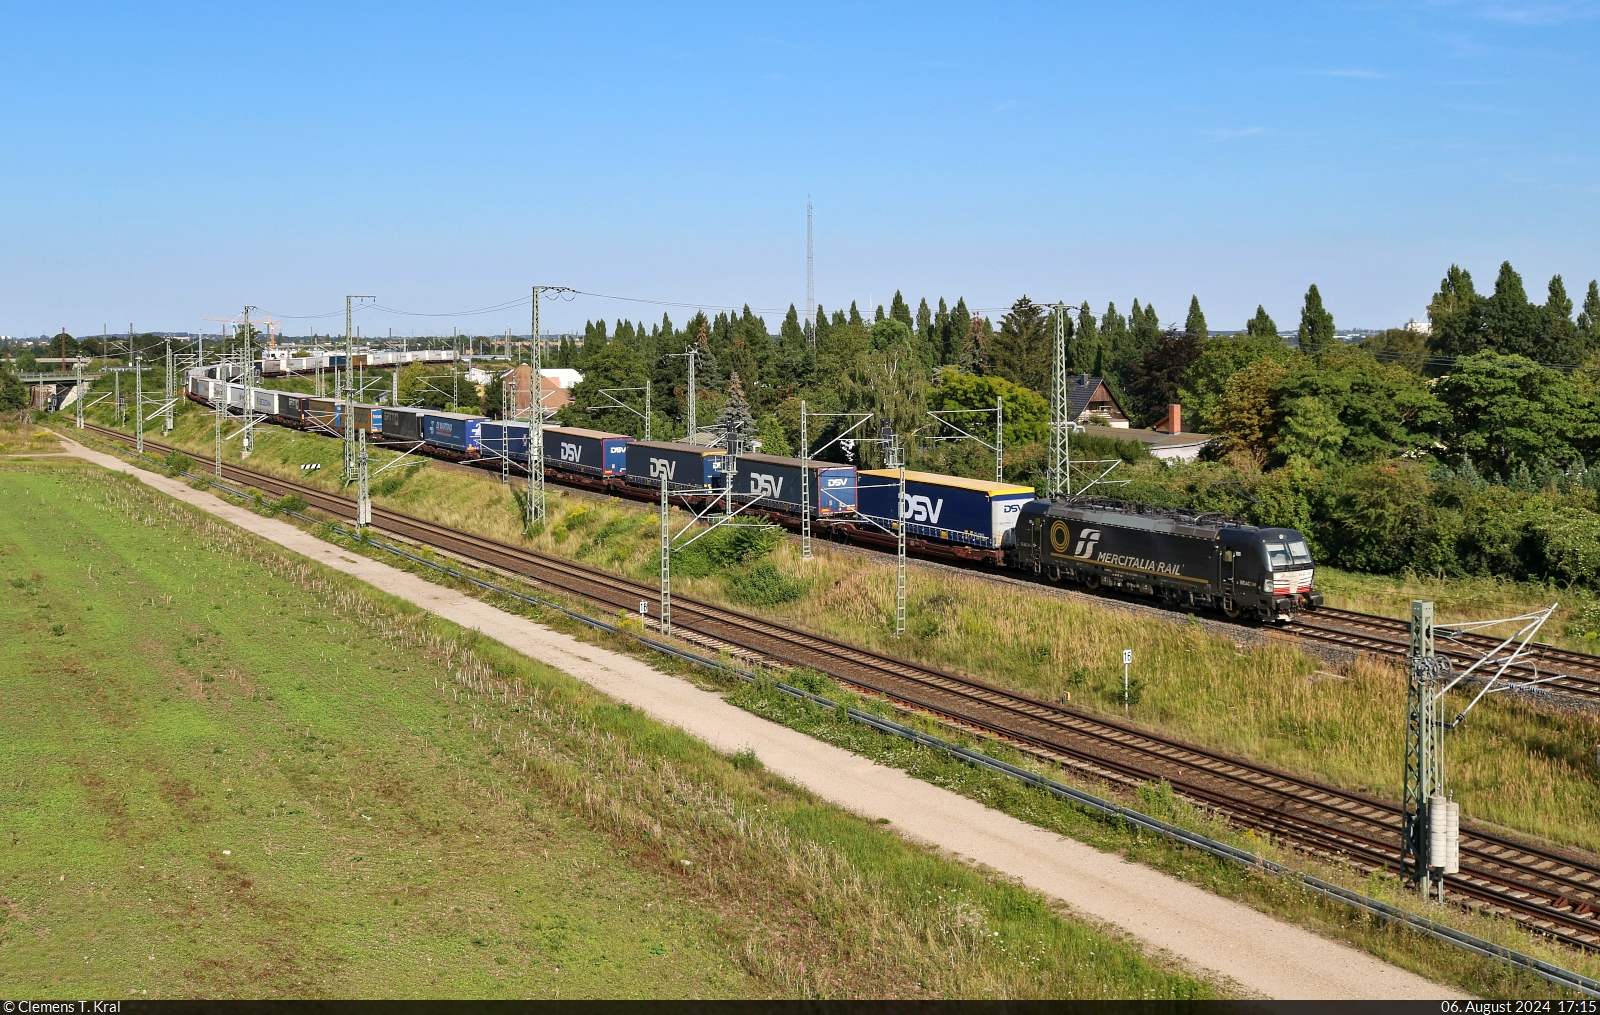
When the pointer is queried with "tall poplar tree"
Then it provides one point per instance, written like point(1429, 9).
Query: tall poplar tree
point(1261, 325)
point(1081, 351)
point(1561, 341)
point(901, 311)
point(1195, 323)
point(1316, 324)
point(1589, 317)
point(1510, 322)
point(1456, 314)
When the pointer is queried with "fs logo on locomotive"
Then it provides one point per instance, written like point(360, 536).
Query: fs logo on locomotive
point(1088, 539)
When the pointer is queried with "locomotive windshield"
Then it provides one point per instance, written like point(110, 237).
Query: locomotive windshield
point(1295, 554)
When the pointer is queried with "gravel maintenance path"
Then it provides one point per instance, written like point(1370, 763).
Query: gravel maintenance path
point(1230, 943)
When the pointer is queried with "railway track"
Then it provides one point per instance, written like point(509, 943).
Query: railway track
point(1550, 890)
point(1557, 669)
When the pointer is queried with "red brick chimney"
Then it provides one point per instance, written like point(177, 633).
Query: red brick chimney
point(1174, 423)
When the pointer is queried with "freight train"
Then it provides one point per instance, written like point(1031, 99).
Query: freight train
point(1188, 559)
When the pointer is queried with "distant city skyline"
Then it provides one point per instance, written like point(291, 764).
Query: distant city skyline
point(448, 158)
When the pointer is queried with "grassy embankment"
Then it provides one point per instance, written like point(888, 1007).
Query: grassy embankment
point(605, 518)
point(233, 773)
point(1271, 895)
point(1509, 764)
point(19, 438)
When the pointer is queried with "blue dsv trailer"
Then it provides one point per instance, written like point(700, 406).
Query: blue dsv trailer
point(686, 466)
point(776, 480)
point(589, 452)
point(498, 438)
point(977, 512)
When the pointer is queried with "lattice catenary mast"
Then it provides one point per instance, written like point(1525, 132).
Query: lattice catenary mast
point(811, 278)
point(536, 422)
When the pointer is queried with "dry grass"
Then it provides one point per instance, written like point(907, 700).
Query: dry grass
point(1529, 771)
point(411, 809)
point(1575, 624)
point(25, 438)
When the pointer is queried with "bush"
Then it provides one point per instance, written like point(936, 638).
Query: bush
point(764, 585)
point(178, 463)
point(725, 547)
point(1570, 541)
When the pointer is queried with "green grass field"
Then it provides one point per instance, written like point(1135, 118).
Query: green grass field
point(1527, 770)
point(231, 773)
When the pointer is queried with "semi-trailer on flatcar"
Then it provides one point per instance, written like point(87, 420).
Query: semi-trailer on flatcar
point(1189, 559)
point(774, 481)
point(976, 513)
point(587, 452)
point(685, 466)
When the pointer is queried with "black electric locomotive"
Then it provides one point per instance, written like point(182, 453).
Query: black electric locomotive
point(1187, 558)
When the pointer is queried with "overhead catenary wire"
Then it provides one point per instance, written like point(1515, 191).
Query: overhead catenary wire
point(1110, 809)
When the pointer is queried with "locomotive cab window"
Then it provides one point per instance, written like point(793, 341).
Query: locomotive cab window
point(1295, 554)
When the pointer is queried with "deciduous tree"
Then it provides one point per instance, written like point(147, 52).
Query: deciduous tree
point(1508, 412)
point(1456, 313)
point(1022, 347)
point(1195, 323)
point(1316, 324)
point(1261, 325)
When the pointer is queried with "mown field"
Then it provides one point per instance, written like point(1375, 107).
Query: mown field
point(230, 773)
point(1527, 770)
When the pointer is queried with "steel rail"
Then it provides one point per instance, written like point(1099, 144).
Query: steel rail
point(1389, 636)
point(1361, 828)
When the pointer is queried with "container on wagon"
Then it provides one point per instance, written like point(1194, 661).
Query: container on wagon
point(264, 401)
point(686, 466)
point(457, 431)
point(402, 424)
point(291, 407)
point(589, 452)
point(322, 414)
point(500, 438)
point(775, 480)
point(975, 512)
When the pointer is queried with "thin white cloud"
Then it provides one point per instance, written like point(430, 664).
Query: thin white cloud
point(1002, 107)
point(1353, 72)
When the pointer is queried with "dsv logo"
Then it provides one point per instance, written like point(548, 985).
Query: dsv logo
point(917, 508)
point(1088, 539)
point(763, 485)
point(662, 467)
point(571, 452)
point(834, 484)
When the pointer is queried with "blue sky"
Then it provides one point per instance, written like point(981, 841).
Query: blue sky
point(162, 164)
